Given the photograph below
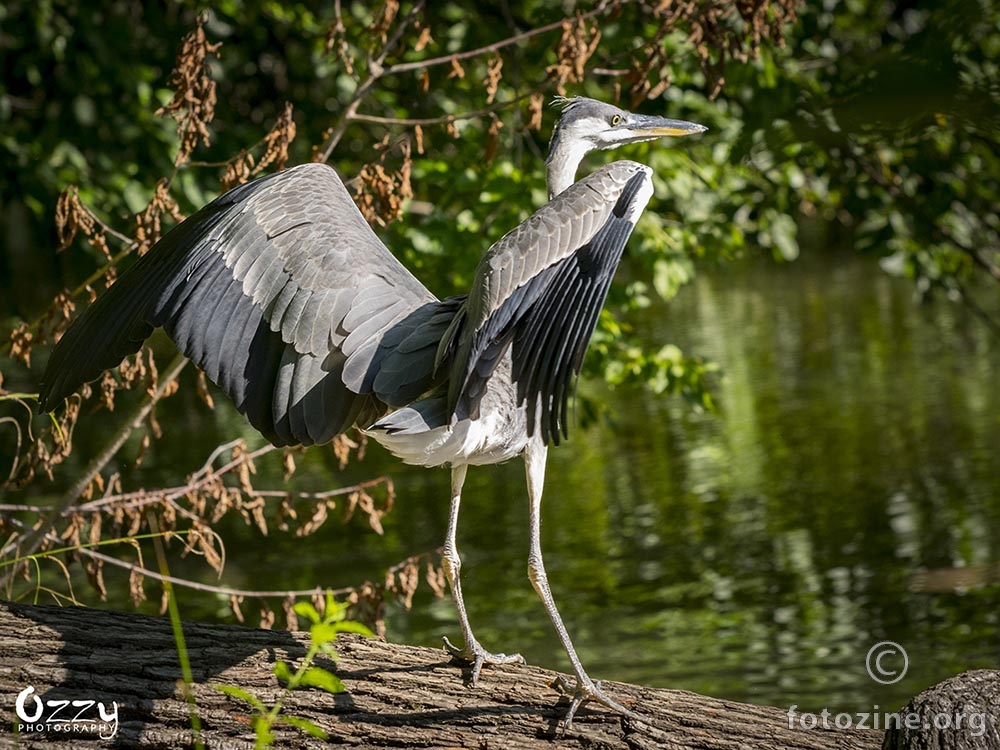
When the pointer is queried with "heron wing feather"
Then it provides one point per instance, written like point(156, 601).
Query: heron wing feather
point(262, 288)
point(565, 256)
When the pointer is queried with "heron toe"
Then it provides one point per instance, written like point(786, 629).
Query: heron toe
point(587, 689)
point(477, 656)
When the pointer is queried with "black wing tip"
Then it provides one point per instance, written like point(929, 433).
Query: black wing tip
point(53, 389)
point(46, 402)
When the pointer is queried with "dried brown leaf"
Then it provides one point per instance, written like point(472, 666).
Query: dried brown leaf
point(234, 605)
point(239, 169)
point(342, 446)
point(318, 601)
point(94, 534)
point(95, 576)
point(266, 617)
point(318, 518)
point(193, 103)
point(291, 619)
point(423, 39)
point(99, 241)
point(383, 20)
point(148, 222)
point(336, 41)
point(135, 586)
point(72, 217)
point(21, 339)
point(144, 443)
point(493, 76)
point(435, 577)
point(492, 138)
point(536, 105)
point(286, 512)
point(277, 141)
point(575, 47)
point(203, 392)
point(256, 508)
point(380, 194)
point(403, 580)
point(287, 464)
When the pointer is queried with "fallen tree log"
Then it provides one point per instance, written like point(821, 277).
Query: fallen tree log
point(962, 713)
point(397, 696)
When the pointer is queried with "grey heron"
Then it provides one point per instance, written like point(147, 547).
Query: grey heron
point(286, 298)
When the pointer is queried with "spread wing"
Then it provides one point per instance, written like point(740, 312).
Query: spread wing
point(540, 289)
point(281, 292)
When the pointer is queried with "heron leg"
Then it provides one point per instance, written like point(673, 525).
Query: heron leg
point(471, 652)
point(585, 688)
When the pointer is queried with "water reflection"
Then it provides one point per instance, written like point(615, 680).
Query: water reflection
point(760, 552)
point(755, 554)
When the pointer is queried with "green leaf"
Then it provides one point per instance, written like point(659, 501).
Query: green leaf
point(307, 610)
point(306, 726)
point(324, 632)
point(783, 231)
point(335, 611)
point(282, 671)
point(237, 692)
point(265, 737)
point(135, 196)
point(669, 276)
point(318, 677)
point(353, 626)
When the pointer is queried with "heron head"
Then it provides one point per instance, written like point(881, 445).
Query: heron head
point(590, 125)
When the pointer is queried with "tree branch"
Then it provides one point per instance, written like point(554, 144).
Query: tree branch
point(447, 59)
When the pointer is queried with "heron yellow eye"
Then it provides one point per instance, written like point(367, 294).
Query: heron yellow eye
point(616, 119)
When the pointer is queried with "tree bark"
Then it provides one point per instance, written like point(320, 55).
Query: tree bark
point(962, 713)
point(397, 696)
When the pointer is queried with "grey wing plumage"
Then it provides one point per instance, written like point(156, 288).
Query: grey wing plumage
point(279, 290)
point(540, 289)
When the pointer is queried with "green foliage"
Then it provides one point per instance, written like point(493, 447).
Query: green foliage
point(883, 119)
point(323, 631)
point(666, 370)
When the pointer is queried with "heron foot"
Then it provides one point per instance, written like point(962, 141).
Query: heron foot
point(587, 689)
point(477, 656)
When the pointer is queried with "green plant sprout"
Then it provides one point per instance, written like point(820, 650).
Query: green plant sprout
point(323, 632)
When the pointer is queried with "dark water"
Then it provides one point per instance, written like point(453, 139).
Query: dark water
point(756, 553)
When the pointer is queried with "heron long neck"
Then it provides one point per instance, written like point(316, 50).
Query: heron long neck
point(565, 155)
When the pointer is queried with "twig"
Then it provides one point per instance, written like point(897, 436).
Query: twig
point(376, 69)
point(442, 119)
point(447, 59)
point(197, 585)
point(226, 590)
point(140, 498)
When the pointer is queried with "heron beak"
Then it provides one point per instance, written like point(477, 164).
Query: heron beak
point(646, 128)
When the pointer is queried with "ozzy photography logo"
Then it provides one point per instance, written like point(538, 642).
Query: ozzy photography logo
point(81, 717)
point(886, 663)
